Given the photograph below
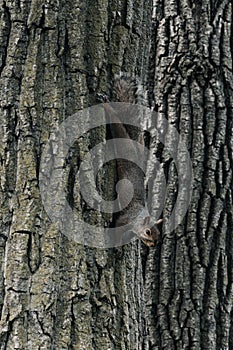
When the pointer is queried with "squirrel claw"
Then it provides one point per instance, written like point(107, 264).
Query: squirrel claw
point(102, 98)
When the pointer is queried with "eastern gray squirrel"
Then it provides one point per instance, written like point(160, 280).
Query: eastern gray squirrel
point(136, 213)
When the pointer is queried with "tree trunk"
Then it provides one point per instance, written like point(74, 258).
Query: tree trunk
point(189, 282)
point(58, 294)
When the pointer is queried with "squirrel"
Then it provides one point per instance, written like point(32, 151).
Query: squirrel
point(136, 213)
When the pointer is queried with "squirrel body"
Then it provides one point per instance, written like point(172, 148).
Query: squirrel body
point(136, 213)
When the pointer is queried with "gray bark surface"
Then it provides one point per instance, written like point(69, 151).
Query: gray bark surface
point(55, 57)
point(190, 295)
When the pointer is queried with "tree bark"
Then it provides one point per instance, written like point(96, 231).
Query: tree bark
point(189, 284)
point(55, 293)
point(58, 294)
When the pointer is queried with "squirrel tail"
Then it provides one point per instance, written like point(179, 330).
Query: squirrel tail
point(127, 89)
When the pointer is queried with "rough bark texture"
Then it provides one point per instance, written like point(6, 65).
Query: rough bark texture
point(55, 56)
point(190, 295)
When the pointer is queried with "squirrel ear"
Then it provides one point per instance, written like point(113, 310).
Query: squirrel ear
point(159, 221)
point(146, 221)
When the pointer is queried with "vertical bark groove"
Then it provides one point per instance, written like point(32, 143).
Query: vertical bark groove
point(192, 88)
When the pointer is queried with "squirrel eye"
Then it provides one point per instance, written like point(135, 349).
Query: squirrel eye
point(148, 231)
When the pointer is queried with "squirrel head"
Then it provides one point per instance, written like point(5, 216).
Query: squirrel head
point(141, 227)
point(147, 233)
